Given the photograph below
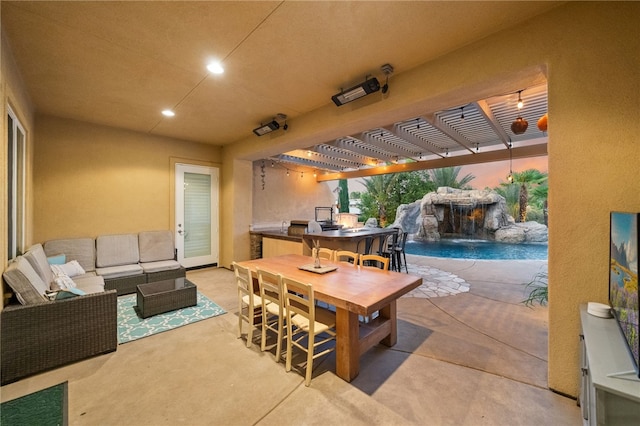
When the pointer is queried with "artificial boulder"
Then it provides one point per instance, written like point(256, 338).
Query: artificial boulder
point(527, 232)
point(459, 213)
point(408, 217)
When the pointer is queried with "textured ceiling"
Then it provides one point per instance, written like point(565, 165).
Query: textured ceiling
point(121, 63)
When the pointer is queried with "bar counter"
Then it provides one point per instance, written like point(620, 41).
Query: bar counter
point(357, 239)
point(274, 242)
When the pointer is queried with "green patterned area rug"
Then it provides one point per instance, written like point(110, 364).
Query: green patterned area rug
point(132, 327)
point(45, 407)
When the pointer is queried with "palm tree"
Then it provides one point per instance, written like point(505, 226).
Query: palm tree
point(448, 176)
point(511, 195)
point(375, 201)
point(527, 180)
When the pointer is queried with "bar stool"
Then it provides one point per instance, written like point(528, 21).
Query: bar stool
point(399, 253)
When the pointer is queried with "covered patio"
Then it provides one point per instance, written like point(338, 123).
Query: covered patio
point(477, 357)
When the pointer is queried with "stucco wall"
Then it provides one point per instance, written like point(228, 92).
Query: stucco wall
point(274, 204)
point(92, 180)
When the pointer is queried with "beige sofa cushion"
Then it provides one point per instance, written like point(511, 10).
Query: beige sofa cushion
point(156, 246)
point(89, 283)
point(81, 249)
point(120, 271)
point(29, 288)
point(38, 260)
point(161, 265)
point(116, 250)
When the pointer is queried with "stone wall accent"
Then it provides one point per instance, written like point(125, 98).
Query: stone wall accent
point(255, 245)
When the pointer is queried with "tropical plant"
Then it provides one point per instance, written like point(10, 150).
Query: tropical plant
point(527, 180)
point(511, 194)
point(376, 201)
point(539, 196)
point(448, 176)
point(538, 289)
point(386, 192)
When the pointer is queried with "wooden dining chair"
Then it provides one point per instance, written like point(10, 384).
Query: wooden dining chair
point(377, 262)
point(324, 253)
point(309, 327)
point(374, 261)
point(273, 311)
point(346, 256)
point(248, 301)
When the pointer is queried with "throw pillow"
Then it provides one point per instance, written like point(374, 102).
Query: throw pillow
point(72, 292)
point(61, 280)
point(60, 259)
point(73, 268)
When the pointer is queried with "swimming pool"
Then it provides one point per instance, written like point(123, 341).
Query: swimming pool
point(478, 249)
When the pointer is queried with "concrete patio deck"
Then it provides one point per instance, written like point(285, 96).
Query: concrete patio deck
point(477, 357)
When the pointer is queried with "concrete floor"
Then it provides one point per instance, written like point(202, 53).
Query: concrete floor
point(475, 358)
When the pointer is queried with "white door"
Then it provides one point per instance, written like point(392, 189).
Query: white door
point(196, 215)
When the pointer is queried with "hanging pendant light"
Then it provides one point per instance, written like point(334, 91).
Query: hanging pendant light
point(542, 123)
point(519, 126)
point(510, 176)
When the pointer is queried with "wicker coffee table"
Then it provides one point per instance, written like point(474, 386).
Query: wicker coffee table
point(164, 296)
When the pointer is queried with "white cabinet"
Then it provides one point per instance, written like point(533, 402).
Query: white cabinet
point(606, 396)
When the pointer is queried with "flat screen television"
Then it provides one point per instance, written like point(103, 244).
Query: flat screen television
point(623, 279)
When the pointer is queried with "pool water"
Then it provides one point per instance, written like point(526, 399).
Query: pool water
point(478, 249)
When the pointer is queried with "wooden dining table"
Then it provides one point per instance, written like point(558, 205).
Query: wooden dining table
point(354, 291)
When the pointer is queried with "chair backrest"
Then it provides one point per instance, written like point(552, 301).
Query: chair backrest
point(403, 241)
point(364, 245)
point(299, 300)
point(374, 261)
point(323, 253)
point(346, 256)
point(270, 287)
point(243, 278)
point(397, 237)
point(385, 243)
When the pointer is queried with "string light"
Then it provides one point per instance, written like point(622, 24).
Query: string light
point(510, 177)
point(520, 103)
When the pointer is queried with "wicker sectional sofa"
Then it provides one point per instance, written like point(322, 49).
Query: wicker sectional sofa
point(38, 334)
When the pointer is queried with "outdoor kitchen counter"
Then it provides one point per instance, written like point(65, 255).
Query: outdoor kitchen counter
point(273, 242)
point(355, 239)
point(277, 235)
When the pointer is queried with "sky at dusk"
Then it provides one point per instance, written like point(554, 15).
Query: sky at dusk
point(486, 175)
point(492, 174)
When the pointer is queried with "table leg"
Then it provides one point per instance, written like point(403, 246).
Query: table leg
point(347, 345)
point(391, 313)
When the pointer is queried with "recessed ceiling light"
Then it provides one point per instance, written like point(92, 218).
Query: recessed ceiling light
point(215, 68)
point(168, 113)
